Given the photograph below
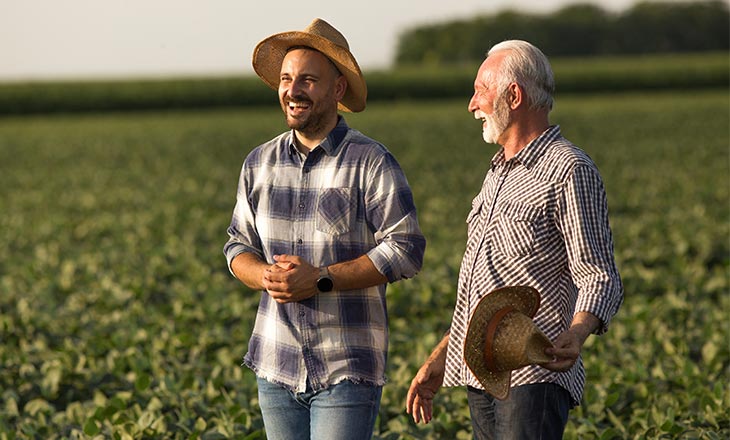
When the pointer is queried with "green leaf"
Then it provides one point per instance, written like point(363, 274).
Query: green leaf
point(91, 428)
point(143, 382)
point(709, 351)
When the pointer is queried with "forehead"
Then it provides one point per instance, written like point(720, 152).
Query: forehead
point(304, 56)
point(489, 68)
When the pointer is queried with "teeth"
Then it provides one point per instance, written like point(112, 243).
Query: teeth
point(297, 104)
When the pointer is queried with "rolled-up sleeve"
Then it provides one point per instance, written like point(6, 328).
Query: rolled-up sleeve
point(391, 211)
point(242, 233)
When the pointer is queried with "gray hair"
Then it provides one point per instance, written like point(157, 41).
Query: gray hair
point(526, 65)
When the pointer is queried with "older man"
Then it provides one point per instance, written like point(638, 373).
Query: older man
point(324, 218)
point(540, 220)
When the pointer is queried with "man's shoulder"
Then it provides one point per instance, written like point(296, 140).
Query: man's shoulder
point(564, 155)
point(270, 147)
point(358, 146)
point(363, 141)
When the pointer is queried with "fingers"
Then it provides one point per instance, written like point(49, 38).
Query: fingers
point(422, 410)
point(426, 410)
point(563, 359)
point(419, 401)
point(284, 258)
point(411, 397)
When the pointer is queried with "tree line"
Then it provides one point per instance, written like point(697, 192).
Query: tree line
point(576, 30)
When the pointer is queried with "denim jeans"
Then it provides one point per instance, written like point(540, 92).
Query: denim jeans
point(531, 412)
point(342, 411)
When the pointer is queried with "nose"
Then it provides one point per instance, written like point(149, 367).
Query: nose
point(295, 87)
point(472, 106)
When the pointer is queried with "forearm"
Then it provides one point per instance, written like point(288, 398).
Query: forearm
point(249, 269)
point(584, 324)
point(359, 273)
point(438, 355)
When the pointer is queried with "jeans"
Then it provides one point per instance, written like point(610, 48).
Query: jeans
point(342, 411)
point(530, 412)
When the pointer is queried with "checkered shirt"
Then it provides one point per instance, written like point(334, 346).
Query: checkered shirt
point(540, 219)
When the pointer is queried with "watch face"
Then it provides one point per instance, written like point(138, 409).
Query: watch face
point(324, 284)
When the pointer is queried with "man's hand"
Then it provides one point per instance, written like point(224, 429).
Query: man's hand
point(428, 380)
point(565, 353)
point(290, 279)
point(568, 345)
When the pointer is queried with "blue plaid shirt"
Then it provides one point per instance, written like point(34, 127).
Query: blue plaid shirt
point(347, 198)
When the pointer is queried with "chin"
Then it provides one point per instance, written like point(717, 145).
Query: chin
point(489, 137)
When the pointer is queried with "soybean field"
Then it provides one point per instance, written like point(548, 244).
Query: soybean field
point(119, 319)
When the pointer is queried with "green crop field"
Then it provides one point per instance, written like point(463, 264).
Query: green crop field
point(118, 318)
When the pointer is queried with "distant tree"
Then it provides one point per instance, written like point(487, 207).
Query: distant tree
point(673, 27)
point(576, 30)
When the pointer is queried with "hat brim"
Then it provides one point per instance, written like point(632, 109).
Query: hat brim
point(523, 299)
point(269, 55)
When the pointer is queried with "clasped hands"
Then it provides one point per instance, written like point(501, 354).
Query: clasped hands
point(290, 279)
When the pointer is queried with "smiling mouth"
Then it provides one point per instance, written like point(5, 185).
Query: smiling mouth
point(293, 105)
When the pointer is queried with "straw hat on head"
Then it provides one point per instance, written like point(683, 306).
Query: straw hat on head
point(502, 337)
point(320, 35)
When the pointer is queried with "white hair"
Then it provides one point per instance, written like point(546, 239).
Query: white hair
point(527, 66)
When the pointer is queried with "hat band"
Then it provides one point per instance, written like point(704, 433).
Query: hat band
point(489, 336)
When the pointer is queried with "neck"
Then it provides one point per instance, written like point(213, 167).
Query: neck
point(306, 140)
point(521, 132)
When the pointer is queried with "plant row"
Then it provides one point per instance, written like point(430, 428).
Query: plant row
point(573, 75)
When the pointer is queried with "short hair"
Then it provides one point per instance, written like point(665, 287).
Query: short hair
point(526, 65)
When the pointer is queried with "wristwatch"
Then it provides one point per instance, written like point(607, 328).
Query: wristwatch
point(324, 282)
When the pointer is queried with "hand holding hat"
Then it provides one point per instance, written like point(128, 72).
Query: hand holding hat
point(502, 337)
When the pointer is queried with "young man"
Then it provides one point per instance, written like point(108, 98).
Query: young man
point(541, 221)
point(324, 218)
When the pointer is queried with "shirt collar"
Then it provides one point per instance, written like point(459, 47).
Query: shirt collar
point(330, 143)
point(532, 152)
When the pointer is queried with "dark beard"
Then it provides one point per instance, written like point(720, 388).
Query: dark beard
point(314, 125)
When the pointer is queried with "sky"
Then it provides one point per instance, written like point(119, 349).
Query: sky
point(87, 39)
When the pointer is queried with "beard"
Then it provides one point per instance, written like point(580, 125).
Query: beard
point(495, 123)
point(312, 121)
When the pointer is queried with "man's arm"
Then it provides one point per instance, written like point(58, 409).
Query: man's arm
point(294, 279)
point(249, 269)
point(419, 402)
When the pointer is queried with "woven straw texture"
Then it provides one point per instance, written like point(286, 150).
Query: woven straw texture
point(320, 35)
point(514, 343)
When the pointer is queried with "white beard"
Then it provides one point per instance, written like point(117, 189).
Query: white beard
point(496, 123)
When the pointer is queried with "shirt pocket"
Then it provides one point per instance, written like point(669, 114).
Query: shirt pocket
point(516, 229)
point(336, 210)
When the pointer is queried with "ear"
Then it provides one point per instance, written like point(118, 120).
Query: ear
point(515, 96)
point(340, 87)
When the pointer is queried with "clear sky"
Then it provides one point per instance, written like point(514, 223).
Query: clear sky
point(48, 39)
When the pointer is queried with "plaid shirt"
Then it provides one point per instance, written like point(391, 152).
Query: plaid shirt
point(540, 219)
point(347, 198)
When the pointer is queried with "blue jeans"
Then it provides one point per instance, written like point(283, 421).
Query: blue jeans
point(535, 411)
point(343, 411)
